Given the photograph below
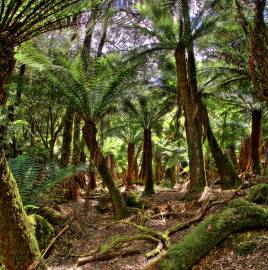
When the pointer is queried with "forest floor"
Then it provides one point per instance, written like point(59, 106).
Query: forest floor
point(245, 251)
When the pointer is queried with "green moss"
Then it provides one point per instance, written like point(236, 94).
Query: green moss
point(134, 200)
point(42, 229)
point(239, 215)
point(258, 194)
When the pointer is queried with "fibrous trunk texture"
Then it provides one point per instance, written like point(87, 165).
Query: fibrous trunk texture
point(131, 164)
point(76, 140)
point(18, 246)
point(193, 128)
point(90, 137)
point(7, 64)
point(245, 160)
point(256, 133)
point(225, 168)
point(67, 138)
point(239, 215)
point(147, 162)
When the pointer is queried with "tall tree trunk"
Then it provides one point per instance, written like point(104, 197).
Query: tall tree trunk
point(147, 162)
point(18, 246)
point(256, 141)
point(193, 131)
point(7, 64)
point(227, 173)
point(67, 137)
point(192, 104)
point(76, 140)
point(90, 137)
point(131, 164)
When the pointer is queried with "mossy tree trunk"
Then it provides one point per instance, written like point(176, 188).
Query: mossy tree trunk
point(90, 137)
point(67, 137)
point(256, 133)
point(239, 215)
point(147, 162)
point(18, 246)
point(225, 168)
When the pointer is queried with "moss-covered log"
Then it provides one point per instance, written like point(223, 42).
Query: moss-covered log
point(18, 246)
point(42, 229)
point(239, 215)
point(52, 216)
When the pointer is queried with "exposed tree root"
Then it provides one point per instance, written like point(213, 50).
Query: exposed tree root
point(161, 238)
point(108, 256)
point(239, 215)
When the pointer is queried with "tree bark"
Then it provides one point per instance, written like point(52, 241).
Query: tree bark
point(76, 140)
point(18, 246)
point(159, 169)
point(256, 141)
point(7, 64)
point(131, 164)
point(227, 172)
point(147, 162)
point(193, 131)
point(239, 215)
point(67, 137)
point(90, 137)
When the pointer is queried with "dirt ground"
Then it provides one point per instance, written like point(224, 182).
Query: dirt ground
point(86, 233)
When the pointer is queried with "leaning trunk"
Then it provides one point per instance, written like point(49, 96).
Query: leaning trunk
point(18, 246)
point(227, 173)
point(67, 138)
point(256, 141)
point(131, 164)
point(90, 137)
point(193, 130)
point(147, 164)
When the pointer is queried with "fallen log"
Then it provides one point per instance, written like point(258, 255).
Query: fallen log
point(237, 216)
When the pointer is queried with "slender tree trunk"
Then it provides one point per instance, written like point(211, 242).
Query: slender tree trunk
point(265, 171)
point(67, 138)
point(131, 164)
point(232, 155)
point(256, 141)
point(76, 140)
point(227, 173)
point(90, 137)
point(159, 170)
point(147, 162)
point(193, 131)
point(171, 176)
point(245, 161)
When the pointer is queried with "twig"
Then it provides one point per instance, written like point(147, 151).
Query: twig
point(42, 255)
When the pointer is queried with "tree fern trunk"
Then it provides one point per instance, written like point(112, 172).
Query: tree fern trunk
point(193, 132)
point(148, 162)
point(256, 141)
point(18, 246)
point(67, 138)
point(90, 137)
point(76, 140)
point(225, 168)
point(7, 64)
point(131, 164)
